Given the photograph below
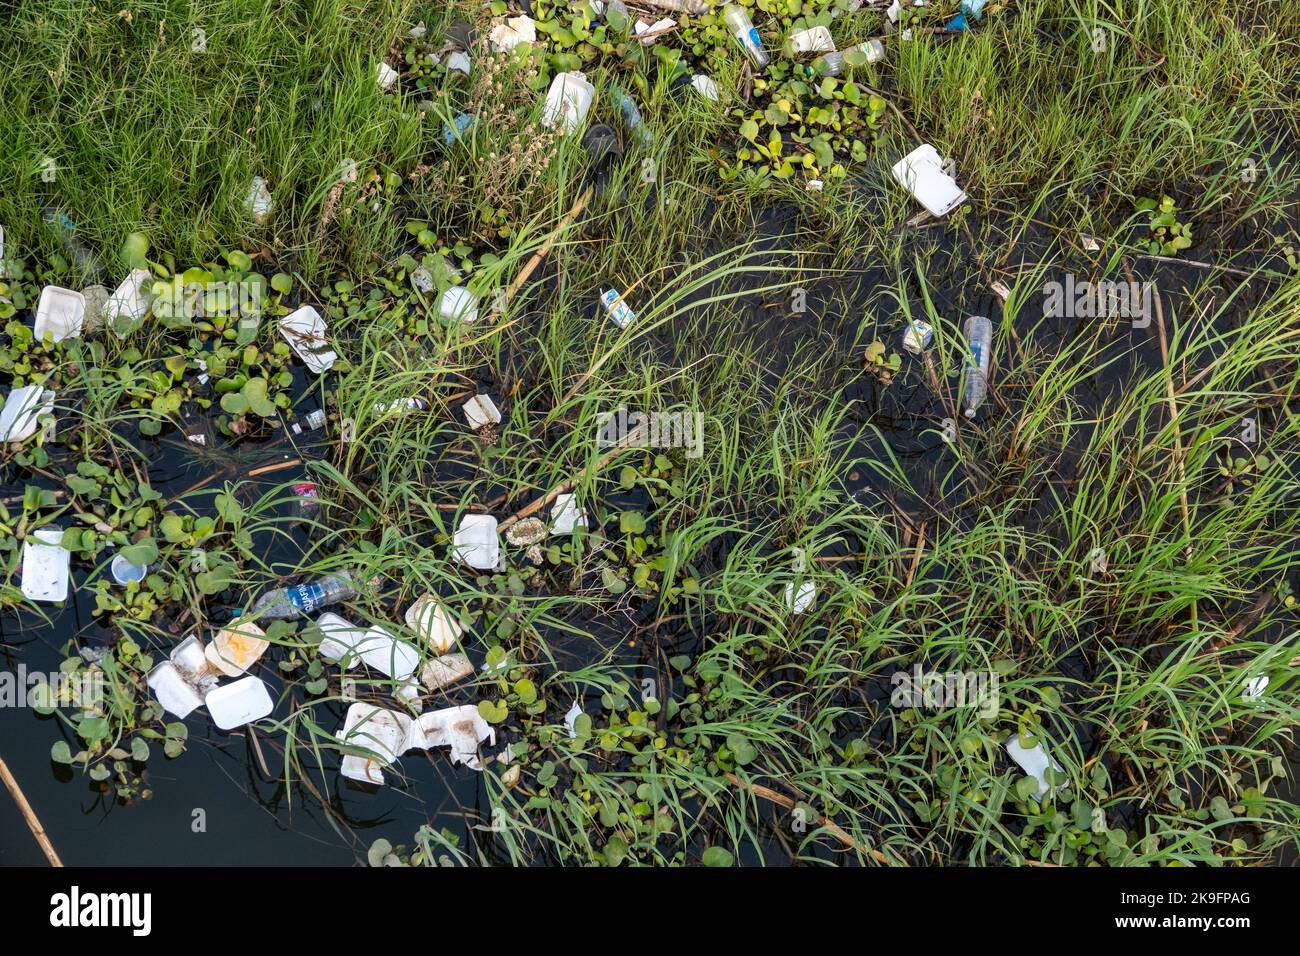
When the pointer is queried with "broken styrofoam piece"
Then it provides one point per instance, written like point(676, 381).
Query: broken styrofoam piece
point(460, 728)
point(428, 618)
point(386, 76)
point(1255, 687)
point(1089, 243)
point(129, 302)
point(568, 101)
point(458, 304)
point(571, 720)
point(190, 658)
point(446, 670)
point(240, 703)
point(422, 279)
point(921, 173)
point(339, 639)
point(382, 732)
point(45, 566)
point(258, 202)
point(514, 31)
point(23, 410)
point(96, 298)
point(812, 40)
point(177, 695)
point(476, 542)
point(566, 515)
point(481, 410)
point(387, 654)
point(61, 312)
point(1035, 762)
point(799, 601)
point(237, 647)
point(304, 330)
point(705, 86)
point(459, 61)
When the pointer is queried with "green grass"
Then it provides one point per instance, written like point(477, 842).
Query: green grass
point(975, 545)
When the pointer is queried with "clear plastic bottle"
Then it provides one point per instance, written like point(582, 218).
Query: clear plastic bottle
point(287, 604)
point(742, 28)
point(66, 232)
point(311, 422)
point(632, 116)
point(979, 343)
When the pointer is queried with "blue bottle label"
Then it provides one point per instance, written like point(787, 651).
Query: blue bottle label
point(306, 597)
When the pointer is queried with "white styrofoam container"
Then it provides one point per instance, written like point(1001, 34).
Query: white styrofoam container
point(568, 101)
point(460, 728)
point(382, 732)
point(476, 542)
point(129, 301)
point(22, 411)
point(1033, 761)
point(339, 639)
point(428, 618)
point(304, 330)
point(61, 312)
point(921, 173)
point(237, 647)
point(258, 201)
point(176, 694)
point(45, 566)
point(239, 703)
point(386, 76)
point(387, 654)
point(458, 304)
point(799, 601)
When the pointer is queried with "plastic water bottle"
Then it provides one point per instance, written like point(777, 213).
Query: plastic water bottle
point(312, 421)
point(632, 116)
point(287, 604)
point(979, 342)
point(66, 231)
point(742, 28)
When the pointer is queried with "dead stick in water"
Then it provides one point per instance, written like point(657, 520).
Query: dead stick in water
point(29, 815)
point(767, 793)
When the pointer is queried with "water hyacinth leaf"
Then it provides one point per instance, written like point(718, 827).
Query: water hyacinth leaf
point(717, 856)
point(61, 752)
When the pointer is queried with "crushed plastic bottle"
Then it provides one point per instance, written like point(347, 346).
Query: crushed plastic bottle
point(65, 230)
point(742, 28)
point(632, 116)
point(979, 343)
point(288, 604)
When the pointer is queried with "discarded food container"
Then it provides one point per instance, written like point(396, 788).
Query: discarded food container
point(240, 703)
point(617, 310)
point(705, 86)
point(124, 572)
point(339, 639)
point(45, 565)
point(813, 40)
point(476, 542)
point(385, 733)
point(979, 343)
point(308, 497)
point(742, 28)
point(917, 336)
point(921, 173)
point(290, 603)
point(258, 202)
point(176, 694)
point(385, 653)
point(96, 298)
point(525, 532)
point(304, 330)
point(1035, 762)
point(386, 76)
point(456, 128)
point(60, 312)
point(129, 302)
point(428, 618)
point(460, 728)
point(191, 660)
point(237, 647)
point(647, 33)
point(800, 600)
point(23, 410)
point(514, 31)
point(458, 304)
point(566, 515)
point(568, 101)
point(481, 410)
point(445, 670)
